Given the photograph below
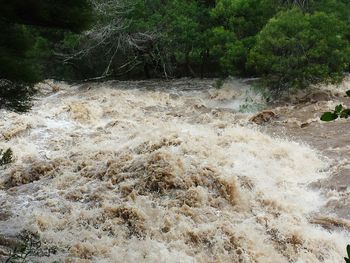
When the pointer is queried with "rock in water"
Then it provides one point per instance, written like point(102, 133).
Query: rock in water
point(262, 117)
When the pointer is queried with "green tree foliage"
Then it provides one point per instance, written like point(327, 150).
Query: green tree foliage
point(339, 8)
point(288, 43)
point(26, 30)
point(22, 52)
point(14, 57)
point(149, 38)
point(238, 22)
point(20, 23)
point(72, 15)
point(296, 50)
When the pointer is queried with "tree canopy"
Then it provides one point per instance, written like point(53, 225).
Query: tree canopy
point(22, 24)
point(260, 38)
point(286, 43)
point(297, 49)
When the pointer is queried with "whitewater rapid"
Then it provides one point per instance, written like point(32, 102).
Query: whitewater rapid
point(161, 172)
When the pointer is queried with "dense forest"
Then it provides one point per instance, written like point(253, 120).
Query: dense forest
point(286, 43)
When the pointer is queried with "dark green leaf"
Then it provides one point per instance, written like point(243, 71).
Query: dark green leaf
point(329, 116)
point(347, 260)
point(345, 113)
point(348, 93)
point(338, 109)
point(348, 250)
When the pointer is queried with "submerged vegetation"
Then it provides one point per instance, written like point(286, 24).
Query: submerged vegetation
point(338, 112)
point(6, 157)
point(28, 245)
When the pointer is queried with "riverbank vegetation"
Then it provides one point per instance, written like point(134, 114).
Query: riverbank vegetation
point(286, 44)
point(30, 31)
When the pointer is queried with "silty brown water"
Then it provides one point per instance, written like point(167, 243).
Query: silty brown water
point(157, 171)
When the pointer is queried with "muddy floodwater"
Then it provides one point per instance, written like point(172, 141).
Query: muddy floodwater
point(175, 171)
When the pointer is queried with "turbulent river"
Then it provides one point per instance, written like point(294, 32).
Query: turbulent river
point(154, 171)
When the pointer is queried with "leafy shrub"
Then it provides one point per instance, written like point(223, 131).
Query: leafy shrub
point(295, 50)
point(6, 156)
point(347, 260)
point(339, 111)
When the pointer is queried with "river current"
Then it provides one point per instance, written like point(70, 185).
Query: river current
point(173, 171)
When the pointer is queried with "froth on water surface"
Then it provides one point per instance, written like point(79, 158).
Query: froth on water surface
point(160, 172)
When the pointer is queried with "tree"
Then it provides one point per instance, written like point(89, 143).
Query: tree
point(296, 49)
point(238, 22)
point(17, 18)
point(150, 38)
point(24, 30)
point(163, 38)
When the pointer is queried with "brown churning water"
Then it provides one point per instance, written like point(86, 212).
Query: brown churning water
point(161, 172)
